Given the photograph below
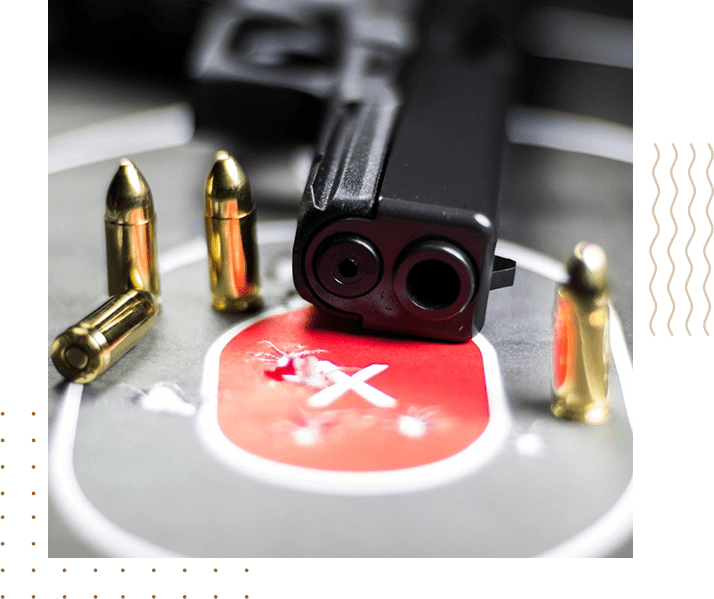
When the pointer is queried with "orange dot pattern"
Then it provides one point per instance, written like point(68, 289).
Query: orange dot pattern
point(64, 570)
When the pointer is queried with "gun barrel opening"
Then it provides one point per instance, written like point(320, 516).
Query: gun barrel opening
point(434, 280)
point(433, 285)
point(348, 268)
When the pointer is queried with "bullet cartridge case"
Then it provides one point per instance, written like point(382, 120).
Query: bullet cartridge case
point(130, 226)
point(581, 348)
point(87, 349)
point(230, 236)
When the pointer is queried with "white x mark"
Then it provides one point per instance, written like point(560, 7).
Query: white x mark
point(344, 382)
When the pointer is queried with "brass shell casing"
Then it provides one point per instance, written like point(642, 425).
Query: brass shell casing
point(130, 227)
point(581, 348)
point(87, 349)
point(230, 236)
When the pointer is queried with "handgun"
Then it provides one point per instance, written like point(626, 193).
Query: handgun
point(398, 222)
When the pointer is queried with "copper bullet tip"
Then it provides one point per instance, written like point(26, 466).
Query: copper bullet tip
point(227, 190)
point(129, 199)
point(588, 271)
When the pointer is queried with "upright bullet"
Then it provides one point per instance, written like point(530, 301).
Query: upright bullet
point(87, 349)
point(130, 225)
point(230, 235)
point(581, 349)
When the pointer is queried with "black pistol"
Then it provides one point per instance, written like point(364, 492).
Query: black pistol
point(398, 221)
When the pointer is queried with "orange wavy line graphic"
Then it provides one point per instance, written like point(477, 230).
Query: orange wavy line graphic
point(686, 248)
point(711, 231)
point(669, 255)
point(654, 274)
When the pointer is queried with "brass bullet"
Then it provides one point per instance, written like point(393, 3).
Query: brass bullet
point(230, 236)
point(581, 348)
point(130, 226)
point(87, 349)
